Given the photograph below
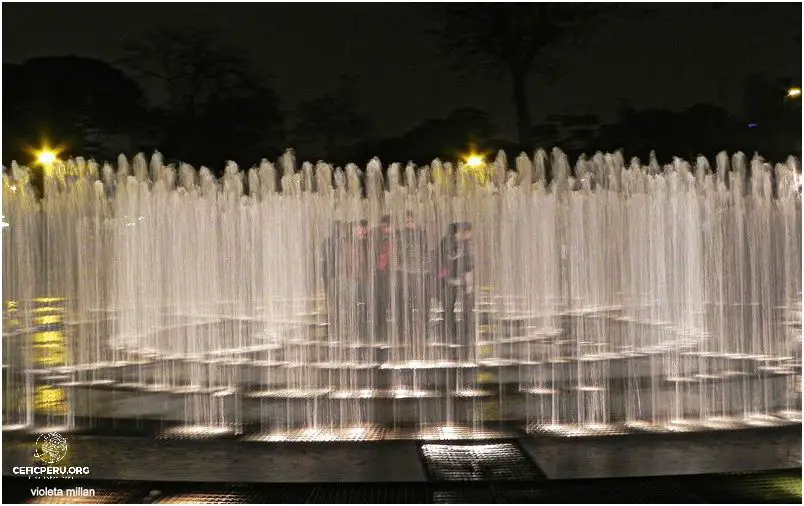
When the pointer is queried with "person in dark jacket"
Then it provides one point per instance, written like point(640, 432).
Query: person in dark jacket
point(455, 275)
point(412, 267)
point(329, 271)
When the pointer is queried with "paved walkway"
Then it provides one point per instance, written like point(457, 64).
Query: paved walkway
point(522, 459)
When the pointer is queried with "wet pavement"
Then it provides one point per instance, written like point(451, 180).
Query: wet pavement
point(226, 460)
point(673, 454)
point(136, 458)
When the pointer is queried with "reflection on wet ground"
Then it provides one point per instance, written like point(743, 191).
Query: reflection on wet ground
point(141, 458)
point(739, 451)
point(125, 458)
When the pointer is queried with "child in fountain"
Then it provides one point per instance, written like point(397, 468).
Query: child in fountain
point(455, 275)
point(383, 247)
point(360, 274)
point(332, 263)
point(328, 273)
point(411, 263)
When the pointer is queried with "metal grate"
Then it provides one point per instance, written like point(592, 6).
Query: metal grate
point(235, 494)
point(290, 393)
point(369, 494)
point(573, 430)
point(380, 433)
point(197, 432)
point(358, 433)
point(779, 487)
point(210, 498)
point(674, 426)
point(212, 494)
point(204, 498)
point(478, 462)
point(463, 496)
point(458, 432)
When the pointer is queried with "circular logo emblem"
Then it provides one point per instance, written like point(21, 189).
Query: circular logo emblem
point(50, 448)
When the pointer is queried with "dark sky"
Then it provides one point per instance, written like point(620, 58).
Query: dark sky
point(679, 55)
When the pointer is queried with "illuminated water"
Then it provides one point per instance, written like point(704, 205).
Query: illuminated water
point(618, 296)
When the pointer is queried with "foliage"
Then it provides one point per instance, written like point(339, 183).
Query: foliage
point(331, 121)
point(507, 36)
point(511, 38)
point(217, 106)
point(74, 101)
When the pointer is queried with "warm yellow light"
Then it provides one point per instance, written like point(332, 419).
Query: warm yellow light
point(46, 157)
point(794, 92)
point(48, 300)
point(52, 319)
point(49, 337)
point(49, 310)
point(474, 161)
point(48, 398)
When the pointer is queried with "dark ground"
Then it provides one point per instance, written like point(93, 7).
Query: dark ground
point(758, 465)
point(767, 487)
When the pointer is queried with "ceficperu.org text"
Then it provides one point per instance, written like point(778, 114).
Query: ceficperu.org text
point(50, 470)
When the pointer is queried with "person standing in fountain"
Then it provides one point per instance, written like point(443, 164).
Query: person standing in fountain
point(359, 275)
point(329, 270)
point(412, 304)
point(382, 283)
point(455, 275)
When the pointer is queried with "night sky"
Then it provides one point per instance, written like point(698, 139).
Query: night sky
point(676, 56)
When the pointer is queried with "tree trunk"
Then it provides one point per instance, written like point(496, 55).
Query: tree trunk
point(523, 123)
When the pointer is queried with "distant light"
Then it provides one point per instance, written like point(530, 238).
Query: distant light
point(794, 92)
point(474, 161)
point(753, 125)
point(46, 157)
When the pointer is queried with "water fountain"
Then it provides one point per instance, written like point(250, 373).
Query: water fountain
point(614, 297)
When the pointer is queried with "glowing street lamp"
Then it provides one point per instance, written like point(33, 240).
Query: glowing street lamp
point(46, 157)
point(474, 161)
point(475, 165)
point(794, 92)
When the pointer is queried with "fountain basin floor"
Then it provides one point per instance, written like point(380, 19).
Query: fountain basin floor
point(467, 404)
point(142, 456)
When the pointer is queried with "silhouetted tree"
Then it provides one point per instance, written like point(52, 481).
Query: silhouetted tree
point(217, 106)
point(511, 37)
point(78, 103)
point(331, 122)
